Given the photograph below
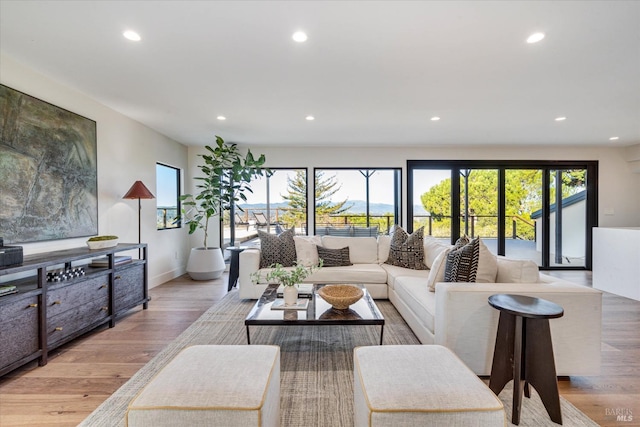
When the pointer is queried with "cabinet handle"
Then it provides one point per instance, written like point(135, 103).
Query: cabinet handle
point(33, 305)
point(59, 328)
point(104, 308)
point(118, 277)
point(57, 302)
point(102, 286)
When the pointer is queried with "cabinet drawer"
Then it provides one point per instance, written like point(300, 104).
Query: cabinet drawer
point(18, 330)
point(71, 321)
point(128, 287)
point(63, 298)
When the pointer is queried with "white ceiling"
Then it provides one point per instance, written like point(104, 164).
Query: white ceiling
point(372, 73)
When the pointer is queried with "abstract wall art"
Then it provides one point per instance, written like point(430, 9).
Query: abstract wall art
point(48, 171)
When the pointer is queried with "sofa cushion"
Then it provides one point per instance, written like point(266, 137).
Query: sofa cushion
point(432, 248)
point(341, 231)
point(393, 272)
point(356, 273)
point(517, 271)
point(462, 263)
point(362, 250)
point(306, 251)
point(334, 257)
point(436, 274)
point(414, 294)
point(487, 265)
point(364, 231)
point(277, 249)
point(407, 250)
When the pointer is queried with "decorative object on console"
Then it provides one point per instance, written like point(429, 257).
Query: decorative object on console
point(65, 274)
point(10, 255)
point(49, 159)
point(407, 250)
point(139, 191)
point(340, 296)
point(8, 290)
point(101, 242)
point(226, 176)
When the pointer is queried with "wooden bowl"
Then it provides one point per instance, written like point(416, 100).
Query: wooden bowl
point(340, 296)
point(102, 244)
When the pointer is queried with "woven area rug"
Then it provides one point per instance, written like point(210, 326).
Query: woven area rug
point(316, 367)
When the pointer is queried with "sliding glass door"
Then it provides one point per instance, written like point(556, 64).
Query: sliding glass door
point(542, 211)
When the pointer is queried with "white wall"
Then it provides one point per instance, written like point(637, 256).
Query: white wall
point(127, 151)
point(619, 198)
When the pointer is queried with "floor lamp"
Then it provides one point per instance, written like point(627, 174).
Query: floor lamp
point(139, 191)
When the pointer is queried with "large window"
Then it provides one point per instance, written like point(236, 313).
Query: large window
point(356, 199)
point(275, 203)
point(167, 196)
point(539, 210)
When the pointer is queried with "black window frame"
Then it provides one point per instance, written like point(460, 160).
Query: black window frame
point(178, 173)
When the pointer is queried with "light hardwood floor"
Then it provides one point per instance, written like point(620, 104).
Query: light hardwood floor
point(82, 374)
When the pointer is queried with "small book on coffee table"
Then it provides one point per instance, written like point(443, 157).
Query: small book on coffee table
point(305, 290)
point(301, 304)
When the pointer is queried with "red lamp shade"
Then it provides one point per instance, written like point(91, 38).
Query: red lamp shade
point(138, 191)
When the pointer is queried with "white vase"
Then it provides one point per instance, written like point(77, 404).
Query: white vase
point(205, 263)
point(290, 294)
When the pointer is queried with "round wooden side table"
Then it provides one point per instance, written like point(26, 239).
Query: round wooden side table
point(524, 352)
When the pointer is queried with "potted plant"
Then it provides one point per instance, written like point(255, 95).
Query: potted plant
point(287, 277)
point(226, 175)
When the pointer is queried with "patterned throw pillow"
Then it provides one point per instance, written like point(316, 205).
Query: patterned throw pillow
point(334, 257)
point(277, 249)
point(407, 250)
point(462, 263)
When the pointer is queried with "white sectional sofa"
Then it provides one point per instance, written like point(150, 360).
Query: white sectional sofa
point(456, 315)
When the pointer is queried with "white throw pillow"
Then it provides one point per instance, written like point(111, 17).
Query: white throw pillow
point(436, 274)
point(487, 265)
point(517, 271)
point(432, 248)
point(362, 250)
point(306, 250)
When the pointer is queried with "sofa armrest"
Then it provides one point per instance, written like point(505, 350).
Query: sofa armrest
point(467, 324)
point(249, 264)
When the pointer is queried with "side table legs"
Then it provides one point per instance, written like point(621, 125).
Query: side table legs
point(524, 353)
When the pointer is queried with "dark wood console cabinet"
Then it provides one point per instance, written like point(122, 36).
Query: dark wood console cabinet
point(44, 315)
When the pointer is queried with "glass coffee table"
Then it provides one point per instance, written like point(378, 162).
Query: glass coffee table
point(319, 312)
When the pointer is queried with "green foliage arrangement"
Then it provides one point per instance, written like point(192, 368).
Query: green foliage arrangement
point(286, 276)
point(227, 174)
point(100, 238)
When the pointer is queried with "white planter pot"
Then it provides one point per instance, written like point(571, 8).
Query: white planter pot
point(290, 295)
point(205, 263)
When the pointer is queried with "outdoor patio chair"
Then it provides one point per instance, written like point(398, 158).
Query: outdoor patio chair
point(261, 219)
point(240, 221)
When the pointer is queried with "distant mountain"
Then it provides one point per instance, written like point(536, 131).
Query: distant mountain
point(356, 207)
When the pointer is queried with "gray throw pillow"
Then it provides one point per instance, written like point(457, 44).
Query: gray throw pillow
point(277, 249)
point(334, 257)
point(462, 263)
point(407, 250)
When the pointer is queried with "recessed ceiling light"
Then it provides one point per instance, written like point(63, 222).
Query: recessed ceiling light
point(614, 138)
point(435, 118)
point(299, 36)
point(535, 37)
point(221, 118)
point(132, 35)
point(560, 119)
point(310, 118)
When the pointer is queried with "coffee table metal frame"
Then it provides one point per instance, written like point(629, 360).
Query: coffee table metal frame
point(319, 312)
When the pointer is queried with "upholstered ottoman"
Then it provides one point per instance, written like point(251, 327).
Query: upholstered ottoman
point(419, 385)
point(213, 385)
